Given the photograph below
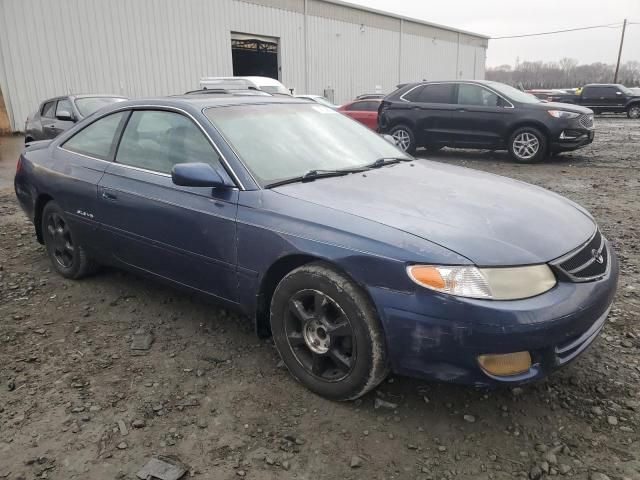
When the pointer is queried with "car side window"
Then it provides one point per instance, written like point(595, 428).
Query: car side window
point(157, 140)
point(437, 93)
point(47, 109)
point(97, 139)
point(412, 95)
point(369, 106)
point(355, 107)
point(476, 95)
point(63, 106)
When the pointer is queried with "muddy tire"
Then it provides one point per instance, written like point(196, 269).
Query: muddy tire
point(67, 256)
point(328, 333)
point(528, 145)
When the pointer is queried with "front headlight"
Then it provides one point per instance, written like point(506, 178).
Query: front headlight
point(562, 114)
point(509, 283)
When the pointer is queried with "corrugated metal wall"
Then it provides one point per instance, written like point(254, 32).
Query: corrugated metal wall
point(160, 47)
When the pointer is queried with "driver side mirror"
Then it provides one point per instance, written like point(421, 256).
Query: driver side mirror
point(65, 115)
point(197, 174)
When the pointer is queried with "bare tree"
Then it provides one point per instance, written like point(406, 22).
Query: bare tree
point(566, 73)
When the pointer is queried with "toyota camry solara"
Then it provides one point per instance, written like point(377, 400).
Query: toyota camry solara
point(355, 257)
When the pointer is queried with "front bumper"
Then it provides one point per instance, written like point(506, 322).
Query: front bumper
point(439, 337)
point(571, 135)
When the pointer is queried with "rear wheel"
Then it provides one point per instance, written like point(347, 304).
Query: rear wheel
point(328, 333)
point(404, 137)
point(528, 145)
point(67, 256)
point(633, 111)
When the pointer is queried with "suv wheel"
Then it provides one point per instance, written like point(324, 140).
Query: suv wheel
point(633, 111)
point(328, 333)
point(67, 256)
point(404, 137)
point(527, 145)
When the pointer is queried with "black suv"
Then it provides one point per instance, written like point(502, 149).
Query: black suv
point(483, 115)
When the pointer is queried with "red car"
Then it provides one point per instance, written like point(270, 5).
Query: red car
point(364, 111)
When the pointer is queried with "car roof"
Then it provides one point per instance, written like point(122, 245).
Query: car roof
point(211, 100)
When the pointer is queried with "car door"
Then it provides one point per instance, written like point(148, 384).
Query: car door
point(80, 163)
point(433, 107)
point(481, 117)
point(47, 121)
point(595, 97)
point(365, 111)
point(183, 234)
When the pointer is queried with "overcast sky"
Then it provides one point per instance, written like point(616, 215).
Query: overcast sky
point(507, 17)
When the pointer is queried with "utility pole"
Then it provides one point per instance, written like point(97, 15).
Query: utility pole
point(624, 27)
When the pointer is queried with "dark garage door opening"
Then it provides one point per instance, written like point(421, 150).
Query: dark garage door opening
point(254, 57)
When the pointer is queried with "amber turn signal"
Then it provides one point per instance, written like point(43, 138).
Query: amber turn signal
point(428, 276)
point(505, 364)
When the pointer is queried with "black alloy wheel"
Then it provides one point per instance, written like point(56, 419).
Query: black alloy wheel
point(58, 236)
point(328, 333)
point(320, 335)
point(67, 256)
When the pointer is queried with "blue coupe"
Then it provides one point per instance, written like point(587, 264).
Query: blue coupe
point(357, 258)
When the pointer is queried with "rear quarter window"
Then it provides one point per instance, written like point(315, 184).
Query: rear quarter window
point(97, 139)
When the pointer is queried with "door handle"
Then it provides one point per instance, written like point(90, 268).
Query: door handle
point(461, 110)
point(109, 196)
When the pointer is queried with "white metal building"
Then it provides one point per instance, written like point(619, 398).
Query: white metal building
point(143, 48)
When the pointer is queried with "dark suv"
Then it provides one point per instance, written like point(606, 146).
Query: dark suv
point(482, 115)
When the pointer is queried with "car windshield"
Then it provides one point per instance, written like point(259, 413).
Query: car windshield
point(87, 105)
point(275, 89)
point(283, 141)
point(514, 94)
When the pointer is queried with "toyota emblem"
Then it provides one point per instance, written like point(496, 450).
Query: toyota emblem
point(597, 256)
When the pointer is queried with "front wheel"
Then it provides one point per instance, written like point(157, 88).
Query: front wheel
point(328, 332)
point(528, 145)
point(633, 111)
point(404, 137)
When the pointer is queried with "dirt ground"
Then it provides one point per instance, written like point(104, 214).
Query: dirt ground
point(76, 403)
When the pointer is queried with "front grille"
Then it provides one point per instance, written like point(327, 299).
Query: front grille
point(587, 262)
point(586, 120)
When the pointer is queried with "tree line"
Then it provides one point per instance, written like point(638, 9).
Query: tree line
point(566, 73)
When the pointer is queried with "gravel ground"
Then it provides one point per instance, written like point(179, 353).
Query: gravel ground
point(76, 402)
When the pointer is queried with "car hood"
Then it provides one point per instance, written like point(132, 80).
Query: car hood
point(491, 220)
point(570, 107)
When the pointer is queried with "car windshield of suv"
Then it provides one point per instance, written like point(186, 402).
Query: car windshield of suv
point(87, 105)
point(283, 141)
point(514, 94)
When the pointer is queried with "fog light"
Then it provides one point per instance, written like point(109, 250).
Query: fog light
point(505, 364)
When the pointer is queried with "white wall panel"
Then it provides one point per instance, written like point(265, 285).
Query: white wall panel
point(351, 59)
point(159, 47)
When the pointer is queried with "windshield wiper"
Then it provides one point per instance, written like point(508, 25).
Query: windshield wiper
point(314, 174)
point(381, 162)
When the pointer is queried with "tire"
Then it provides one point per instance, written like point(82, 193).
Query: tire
point(67, 256)
point(634, 111)
point(405, 139)
point(528, 145)
point(328, 333)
